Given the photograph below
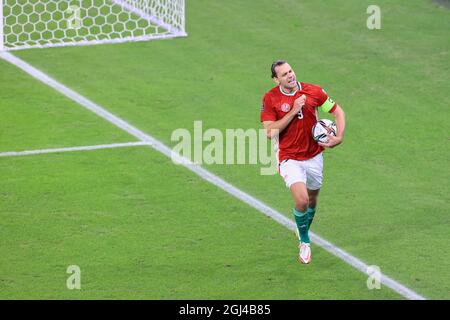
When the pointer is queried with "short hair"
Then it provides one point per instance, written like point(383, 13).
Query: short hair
point(274, 65)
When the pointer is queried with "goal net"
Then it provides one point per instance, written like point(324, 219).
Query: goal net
point(50, 23)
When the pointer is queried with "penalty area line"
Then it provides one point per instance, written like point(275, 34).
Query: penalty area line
point(205, 174)
point(72, 149)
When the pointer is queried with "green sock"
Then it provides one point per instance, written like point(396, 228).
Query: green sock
point(301, 219)
point(311, 212)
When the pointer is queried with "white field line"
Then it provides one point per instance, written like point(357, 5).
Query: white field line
point(205, 174)
point(71, 149)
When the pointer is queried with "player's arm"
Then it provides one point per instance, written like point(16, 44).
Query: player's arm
point(339, 117)
point(273, 128)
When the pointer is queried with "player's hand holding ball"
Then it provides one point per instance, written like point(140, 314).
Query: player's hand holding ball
point(325, 133)
point(333, 141)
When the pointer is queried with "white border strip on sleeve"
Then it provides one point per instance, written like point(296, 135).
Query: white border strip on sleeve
point(71, 149)
point(205, 174)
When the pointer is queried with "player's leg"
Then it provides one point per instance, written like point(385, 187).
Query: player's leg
point(314, 178)
point(301, 200)
point(294, 174)
point(313, 196)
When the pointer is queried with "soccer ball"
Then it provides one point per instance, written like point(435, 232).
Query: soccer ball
point(322, 127)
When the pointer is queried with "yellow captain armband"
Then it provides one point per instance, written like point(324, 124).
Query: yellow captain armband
point(327, 105)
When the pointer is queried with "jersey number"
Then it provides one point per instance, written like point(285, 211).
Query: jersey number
point(300, 114)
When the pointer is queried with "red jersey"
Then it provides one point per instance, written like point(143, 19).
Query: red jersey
point(296, 141)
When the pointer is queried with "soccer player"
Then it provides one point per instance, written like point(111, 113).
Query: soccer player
point(289, 111)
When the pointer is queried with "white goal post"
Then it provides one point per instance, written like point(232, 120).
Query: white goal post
point(51, 23)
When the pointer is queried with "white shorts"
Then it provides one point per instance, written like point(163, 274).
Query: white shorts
point(309, 172)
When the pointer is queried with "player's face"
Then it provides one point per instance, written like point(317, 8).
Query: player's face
point(285, 77)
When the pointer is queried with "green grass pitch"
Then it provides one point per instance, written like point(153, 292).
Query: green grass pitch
point(140, 227)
